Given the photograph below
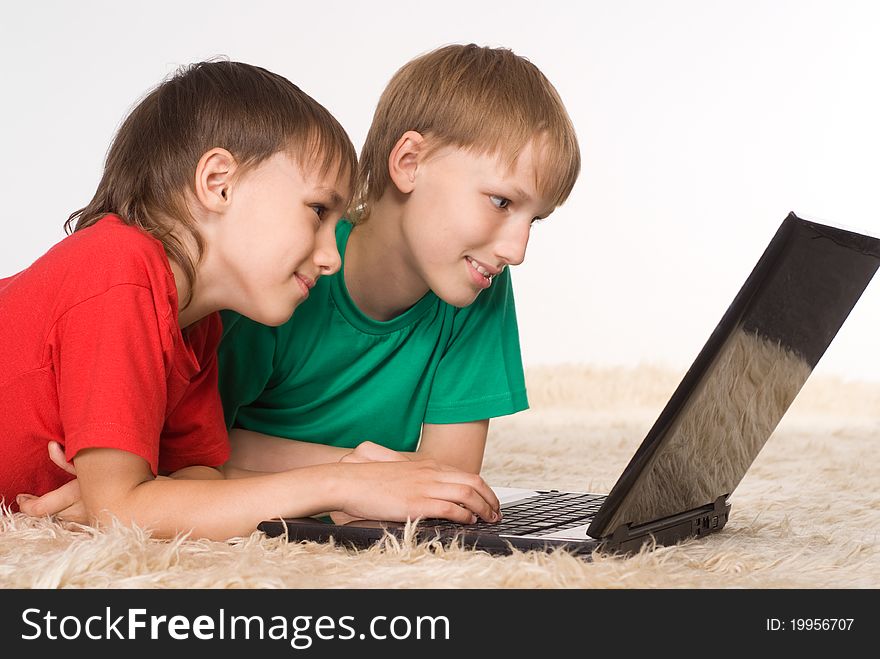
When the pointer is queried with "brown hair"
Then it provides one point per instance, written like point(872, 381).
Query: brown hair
point(251, 112)
point(488, 100)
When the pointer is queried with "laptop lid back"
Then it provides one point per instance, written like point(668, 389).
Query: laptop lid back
point(746, 376)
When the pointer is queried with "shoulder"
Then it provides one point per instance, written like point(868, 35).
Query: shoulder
point(116, 251)
point(102, 258)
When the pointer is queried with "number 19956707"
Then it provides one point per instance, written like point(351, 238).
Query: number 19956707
point(809, 624)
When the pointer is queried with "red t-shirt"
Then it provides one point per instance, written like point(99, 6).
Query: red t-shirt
point(91, 356)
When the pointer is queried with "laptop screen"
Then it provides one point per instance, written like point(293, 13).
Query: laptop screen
point(745, 378)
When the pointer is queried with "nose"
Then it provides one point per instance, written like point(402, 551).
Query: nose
point(512, 242)
point(326, 255)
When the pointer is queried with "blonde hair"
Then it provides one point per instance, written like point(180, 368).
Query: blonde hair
point(247, 110)
point(487, 100)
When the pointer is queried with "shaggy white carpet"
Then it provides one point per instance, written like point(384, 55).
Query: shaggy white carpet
point(806, 515)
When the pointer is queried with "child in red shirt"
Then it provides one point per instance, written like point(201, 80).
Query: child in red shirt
point(221, 190)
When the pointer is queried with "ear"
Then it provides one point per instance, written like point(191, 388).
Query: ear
point(214, 176)
point(403, 163)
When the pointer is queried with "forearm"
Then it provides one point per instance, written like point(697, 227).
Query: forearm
point(226, 471)
point(464, 461)
point(253, 451)
point(116, 484)
point(220, 509)
point(460, 445)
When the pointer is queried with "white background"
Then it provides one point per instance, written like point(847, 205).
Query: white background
point(702, 124)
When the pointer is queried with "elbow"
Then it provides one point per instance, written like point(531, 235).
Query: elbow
point(110, 515)
point(126, 509)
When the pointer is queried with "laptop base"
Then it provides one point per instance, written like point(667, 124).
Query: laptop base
point(625, 540)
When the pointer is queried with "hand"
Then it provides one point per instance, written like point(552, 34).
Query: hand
point(372, 452)
point(365, 452)
point(65, 503)
point(410, 489)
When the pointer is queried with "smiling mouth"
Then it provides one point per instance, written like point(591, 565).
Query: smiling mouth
point(476, 266)
point(309, 282)
point(305, 283)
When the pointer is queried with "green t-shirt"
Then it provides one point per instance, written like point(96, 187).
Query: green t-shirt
point(332, 375)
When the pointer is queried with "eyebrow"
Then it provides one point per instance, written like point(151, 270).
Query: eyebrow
point(508, 187)
point(522, 193)
point(335, 197)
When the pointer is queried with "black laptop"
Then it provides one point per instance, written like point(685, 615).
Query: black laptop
point(678, 483)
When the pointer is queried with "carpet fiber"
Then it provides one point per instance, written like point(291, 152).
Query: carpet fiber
point(806, 515)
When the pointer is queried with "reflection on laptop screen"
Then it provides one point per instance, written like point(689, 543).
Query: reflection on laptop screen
point(750, 371)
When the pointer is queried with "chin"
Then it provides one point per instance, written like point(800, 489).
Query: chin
point(273, 316)
point(459, 298)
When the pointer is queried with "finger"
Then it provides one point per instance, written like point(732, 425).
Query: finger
point(468, 497)
point(51, 503)
point(477, 484)
point(27, 503)
point(488, 494)
point(56, 453)
point(445, 509)
point(23, 499)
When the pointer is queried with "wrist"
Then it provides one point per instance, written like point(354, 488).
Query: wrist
point(326, 485)
point(336, 484)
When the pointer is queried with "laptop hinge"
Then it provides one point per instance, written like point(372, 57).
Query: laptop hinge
point(668, 530)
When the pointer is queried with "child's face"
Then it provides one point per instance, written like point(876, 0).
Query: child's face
point(469, 216)
point(278, 236)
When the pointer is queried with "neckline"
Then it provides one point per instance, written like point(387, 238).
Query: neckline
point(350, 311)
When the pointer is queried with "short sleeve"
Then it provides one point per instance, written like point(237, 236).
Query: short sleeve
point(480, 375)
point(111, 372)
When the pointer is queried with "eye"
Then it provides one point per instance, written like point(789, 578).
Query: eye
point(320, 210)
point(499, 202)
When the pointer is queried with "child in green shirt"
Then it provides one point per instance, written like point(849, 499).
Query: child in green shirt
point(413, 345)
point(221, 190)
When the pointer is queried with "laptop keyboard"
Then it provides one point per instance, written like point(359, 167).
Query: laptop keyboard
point(549, 511)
